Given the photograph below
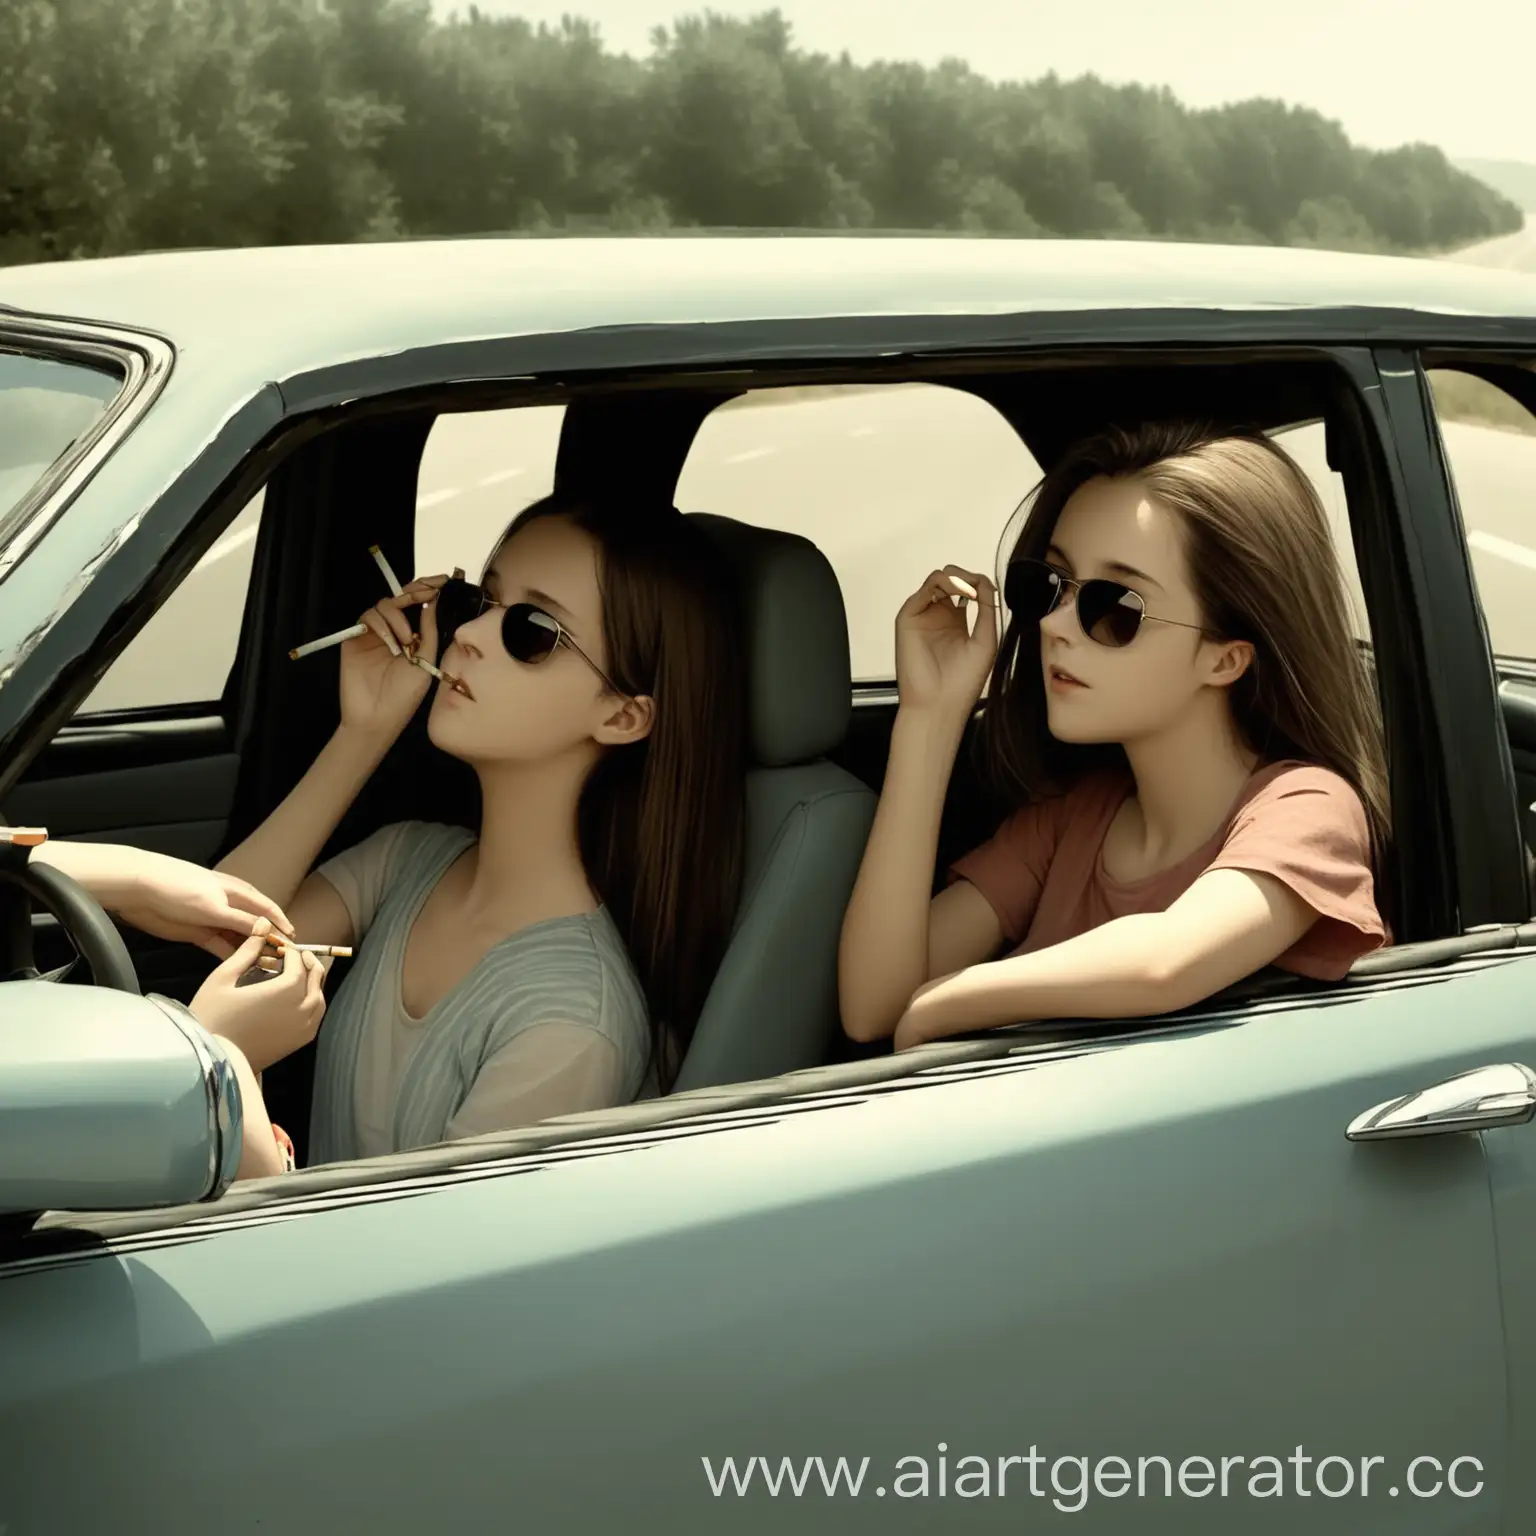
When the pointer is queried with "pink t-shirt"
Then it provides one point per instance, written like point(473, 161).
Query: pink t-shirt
point(1043, 870)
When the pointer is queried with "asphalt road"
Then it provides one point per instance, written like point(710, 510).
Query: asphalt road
point(889, 483)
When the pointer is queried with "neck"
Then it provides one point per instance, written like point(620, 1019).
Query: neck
point(528, 847)
point(1187, 777)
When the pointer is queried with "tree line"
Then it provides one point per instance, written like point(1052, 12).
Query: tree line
point(154, 124)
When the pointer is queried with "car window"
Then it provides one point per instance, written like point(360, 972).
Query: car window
point(1307, 445)
point(890, 481)
point(1490, 448)
point(893, 481)
point(183, 654)
point(478, 471)
point(45, 406)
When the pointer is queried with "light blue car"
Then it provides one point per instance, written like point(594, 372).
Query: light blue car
point(1268, 1266)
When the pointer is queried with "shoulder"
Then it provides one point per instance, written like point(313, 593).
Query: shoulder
point(1305, 795)
point(389, 842)
point(420, 836)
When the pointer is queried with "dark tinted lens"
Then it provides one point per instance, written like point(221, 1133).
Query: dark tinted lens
point(457, 603)
point(1030, 588)
point(1108, 612)
point(528, 633)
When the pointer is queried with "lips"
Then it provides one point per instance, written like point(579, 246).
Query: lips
point(454, 678)
point(1061, 675)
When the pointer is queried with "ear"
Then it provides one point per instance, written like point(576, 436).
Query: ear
point(1229, 660)
point(630, 722)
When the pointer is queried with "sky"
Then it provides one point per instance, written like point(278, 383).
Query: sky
point(1455, 73)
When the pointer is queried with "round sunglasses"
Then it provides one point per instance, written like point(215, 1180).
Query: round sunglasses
point(528, 633)
point(1109, 612)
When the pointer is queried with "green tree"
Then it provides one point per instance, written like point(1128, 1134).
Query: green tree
point(134, 124)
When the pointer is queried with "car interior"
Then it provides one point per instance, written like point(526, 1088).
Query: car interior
point(201, 779)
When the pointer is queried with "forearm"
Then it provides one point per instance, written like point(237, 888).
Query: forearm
point(277, 856)
point(883, 951)
point(1126, 968)
point(106, 870)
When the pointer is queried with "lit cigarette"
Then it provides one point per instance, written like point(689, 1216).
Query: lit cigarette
point(383, 563)
point(24, 837)
point(325, 642)
point(340, 951)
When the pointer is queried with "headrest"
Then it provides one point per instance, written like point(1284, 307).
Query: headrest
point(798, 669)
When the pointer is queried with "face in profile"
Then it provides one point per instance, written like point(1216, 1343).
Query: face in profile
point(1115, 530)
point(554, 705)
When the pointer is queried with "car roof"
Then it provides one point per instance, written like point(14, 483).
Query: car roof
point(290, 308)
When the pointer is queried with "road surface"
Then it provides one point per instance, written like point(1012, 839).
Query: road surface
point(889, 483)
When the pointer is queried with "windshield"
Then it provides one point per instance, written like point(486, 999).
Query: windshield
point(45, 406)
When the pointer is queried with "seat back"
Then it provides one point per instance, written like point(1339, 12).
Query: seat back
point(773, 1005)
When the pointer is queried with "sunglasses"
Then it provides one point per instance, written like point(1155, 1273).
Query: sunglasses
point(528, 633)
point(1109, 612)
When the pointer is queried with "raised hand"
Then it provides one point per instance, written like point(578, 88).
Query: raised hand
point(380, 685)
point(942, 661)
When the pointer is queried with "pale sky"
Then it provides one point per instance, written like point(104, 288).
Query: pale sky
point(1454, 73)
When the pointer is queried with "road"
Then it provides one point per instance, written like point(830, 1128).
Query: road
point(889, 483)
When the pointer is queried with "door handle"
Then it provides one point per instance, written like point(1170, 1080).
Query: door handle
point(1479, 1100)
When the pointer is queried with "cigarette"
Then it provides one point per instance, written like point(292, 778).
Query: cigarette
point(325, 642)
point(339, 951)
point(383, 563)
point(438, 673)
point(24, 837)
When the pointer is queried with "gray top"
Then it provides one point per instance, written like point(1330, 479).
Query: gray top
point(551, 1021)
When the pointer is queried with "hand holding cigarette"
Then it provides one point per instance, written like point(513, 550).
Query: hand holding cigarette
point(409, 642)
point(379, 694)
point(273, 957)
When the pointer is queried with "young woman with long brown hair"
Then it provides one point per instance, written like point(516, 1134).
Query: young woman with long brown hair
point(1179, 711)
point(558, 961)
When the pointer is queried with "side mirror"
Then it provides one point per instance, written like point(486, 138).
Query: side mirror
point(110, 1102)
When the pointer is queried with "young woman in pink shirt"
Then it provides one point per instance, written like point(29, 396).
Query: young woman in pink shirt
point(1179, 712)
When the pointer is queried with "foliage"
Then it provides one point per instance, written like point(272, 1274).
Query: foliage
point(128, 125)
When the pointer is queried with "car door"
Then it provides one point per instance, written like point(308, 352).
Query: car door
point(1132, 1262)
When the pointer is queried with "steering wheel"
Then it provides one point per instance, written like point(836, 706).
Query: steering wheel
point(92, 932)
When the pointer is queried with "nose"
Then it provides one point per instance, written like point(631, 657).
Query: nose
point(464, 639)
point(1059, 620)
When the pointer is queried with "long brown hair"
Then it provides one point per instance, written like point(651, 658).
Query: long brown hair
point(662, 821)
point(1264, 569)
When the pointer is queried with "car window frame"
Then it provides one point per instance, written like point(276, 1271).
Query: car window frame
point(143, 362)
point(1502, 368)
point(1462, 676)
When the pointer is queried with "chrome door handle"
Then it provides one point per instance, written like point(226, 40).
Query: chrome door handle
point(1478, 1100)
